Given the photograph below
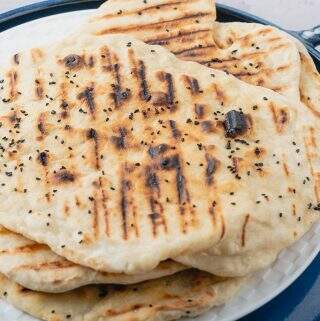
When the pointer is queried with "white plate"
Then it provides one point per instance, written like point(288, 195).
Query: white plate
point(264, 286)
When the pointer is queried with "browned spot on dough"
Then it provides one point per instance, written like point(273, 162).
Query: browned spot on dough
point(170, 95)
point(119, 141)
point(219, 93)
point(286, 169)
point(91, 62)
point(212, 164)
point(39, 89)
point(43, 158)
point(199, 110)
point(294, 211)
point(66, 210)
point(243, 234)
point(125, 187)
point(88, 96)
point(63, 176)
point(176, 133)
point(73, 61)
point(280, 117)
point(282, 68)
point(192, 84)
point(92, 134)
point(13, 78)
point(207, 126)
point(41, 124)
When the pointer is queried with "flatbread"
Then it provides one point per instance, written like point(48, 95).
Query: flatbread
point(309, 81)
point(188, 293)
point(241, 178)
point(36, 267)
point(177, 25)
point(260, 55)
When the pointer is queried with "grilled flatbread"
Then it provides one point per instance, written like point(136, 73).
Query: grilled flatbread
point(36, 267)
point(188, 293)
point(260, 55)
point(163, 137)
point(177, 25)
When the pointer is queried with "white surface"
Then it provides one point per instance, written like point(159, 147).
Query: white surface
point(262, 287)
point(290, 14)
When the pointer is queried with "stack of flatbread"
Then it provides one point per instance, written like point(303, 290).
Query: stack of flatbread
point(152, 161)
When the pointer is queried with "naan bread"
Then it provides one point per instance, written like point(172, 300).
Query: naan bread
point(36, 267)
point(260, 55)
point(258, 189)
point(309, 81)
point(188, 293)
point(178, 25)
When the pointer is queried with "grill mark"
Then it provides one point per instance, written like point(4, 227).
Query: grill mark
point(119, 95)
point(243, 233)
point(152, 181)
point(170, 89)
point(125, 187)
point(119, 141)
point(93, 135)
point(88, 96)
point(156, 151)
point(173, 163)
point(95, 223)
point(286, 170)
point(136, 11)
point(47, 265)
point(223, 229)
point(199, 110)
point(162, 40)
point(280, 119)
point(207, 126)
point(313, 174)
point(211, 168)
point(31, 248)
point(193, 84)
point(91, 61)
point(156, 216)
point(16, 58)
point(151, 25)
point(39, 89)
point(41, 124)
point(104, 206)
point(144, 92)
point(176, 133)
point(191, 51)
point(13, 78)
